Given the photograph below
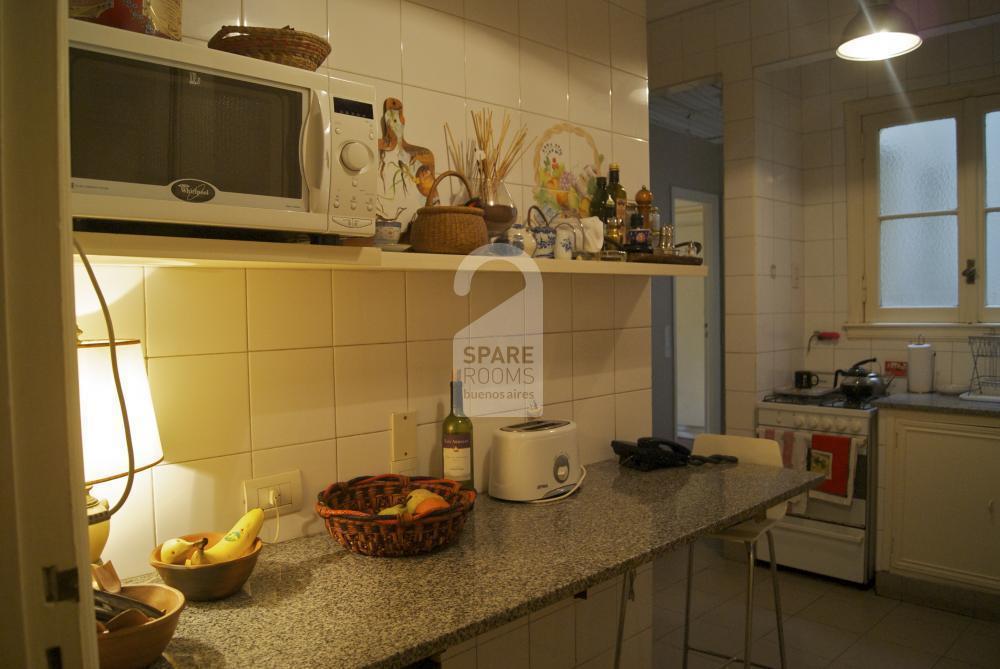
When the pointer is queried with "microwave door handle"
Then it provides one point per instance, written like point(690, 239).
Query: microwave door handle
point(314, 151)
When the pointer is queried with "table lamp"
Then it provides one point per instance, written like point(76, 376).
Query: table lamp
point(105, 452)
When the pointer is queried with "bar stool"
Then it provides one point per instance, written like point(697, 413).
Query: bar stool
point(758, 452)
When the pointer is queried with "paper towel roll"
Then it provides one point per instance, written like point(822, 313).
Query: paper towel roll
point(920, 367)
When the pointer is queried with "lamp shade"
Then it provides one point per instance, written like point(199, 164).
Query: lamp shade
point(105, 454)
point(878, 32)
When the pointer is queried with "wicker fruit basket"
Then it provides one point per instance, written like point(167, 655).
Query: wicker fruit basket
point(443, 229)
point(286, 46)
point(350, 510)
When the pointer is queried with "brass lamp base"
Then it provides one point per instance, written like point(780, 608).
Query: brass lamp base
point(97, 530)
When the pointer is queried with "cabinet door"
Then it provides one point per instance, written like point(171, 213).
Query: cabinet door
point(946, 489)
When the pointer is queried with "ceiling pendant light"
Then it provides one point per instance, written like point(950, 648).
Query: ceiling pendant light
point(878, 32)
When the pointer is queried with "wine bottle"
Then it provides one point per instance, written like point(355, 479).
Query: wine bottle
point(456, 440)
point(598, 199)
point(615, 188)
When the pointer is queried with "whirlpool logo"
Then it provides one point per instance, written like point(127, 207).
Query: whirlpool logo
point(192, 190)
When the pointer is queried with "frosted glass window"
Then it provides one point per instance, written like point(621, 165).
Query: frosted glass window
point(993, 259)
point(918, 168)
point(919, 260)
point(993, 159)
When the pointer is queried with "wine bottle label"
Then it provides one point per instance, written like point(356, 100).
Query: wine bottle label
point(457, 456)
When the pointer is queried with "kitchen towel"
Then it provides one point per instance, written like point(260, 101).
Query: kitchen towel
point(920, 368)
point(794, 455)
point(836, 458)
point(593, 234)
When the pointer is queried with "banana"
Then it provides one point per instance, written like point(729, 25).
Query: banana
point(235, 543)
point(416, 496)
point(175, 551)
point(392, 510)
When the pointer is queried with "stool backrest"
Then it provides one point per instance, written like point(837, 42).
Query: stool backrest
point(748, 449)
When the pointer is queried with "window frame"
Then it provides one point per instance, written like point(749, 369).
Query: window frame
point(866, 318)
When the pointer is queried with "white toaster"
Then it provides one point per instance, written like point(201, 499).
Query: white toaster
point(534, 460)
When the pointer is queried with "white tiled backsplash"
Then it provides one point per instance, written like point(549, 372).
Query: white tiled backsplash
point(257, 372)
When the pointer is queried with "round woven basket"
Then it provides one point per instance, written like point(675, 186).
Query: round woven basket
point(278, 45)
point(446, 229)
point(351, 508)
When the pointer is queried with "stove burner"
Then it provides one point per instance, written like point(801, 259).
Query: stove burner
point(834, 401)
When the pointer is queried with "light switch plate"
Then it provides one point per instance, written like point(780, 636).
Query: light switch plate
point(287, 488)
point(404, 435)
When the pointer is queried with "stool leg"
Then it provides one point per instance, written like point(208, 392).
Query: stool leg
point(748, 629)
point(777, 598)
point(687, 603)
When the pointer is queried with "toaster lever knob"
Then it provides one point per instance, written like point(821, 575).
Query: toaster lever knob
point(561, 468)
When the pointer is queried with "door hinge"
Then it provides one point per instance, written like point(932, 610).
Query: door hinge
point(61, 586)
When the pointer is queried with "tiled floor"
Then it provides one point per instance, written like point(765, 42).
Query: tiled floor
point(826, 624)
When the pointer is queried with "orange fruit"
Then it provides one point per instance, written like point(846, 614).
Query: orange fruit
point(434, 503)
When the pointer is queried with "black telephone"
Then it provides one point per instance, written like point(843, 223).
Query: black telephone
point(651, 453)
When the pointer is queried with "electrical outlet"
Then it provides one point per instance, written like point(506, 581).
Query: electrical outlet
point(404, 435)
point(278, 493)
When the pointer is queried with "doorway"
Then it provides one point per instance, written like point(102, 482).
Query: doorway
point(697, 320)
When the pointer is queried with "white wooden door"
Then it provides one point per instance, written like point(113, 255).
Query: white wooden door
point(946, 492)
point(44, 586)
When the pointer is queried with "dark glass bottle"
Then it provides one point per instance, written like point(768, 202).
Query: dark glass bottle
point(456, 441)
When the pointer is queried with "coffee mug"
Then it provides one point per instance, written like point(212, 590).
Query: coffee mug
point(805, 380)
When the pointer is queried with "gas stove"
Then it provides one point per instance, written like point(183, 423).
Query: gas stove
point(833, 400)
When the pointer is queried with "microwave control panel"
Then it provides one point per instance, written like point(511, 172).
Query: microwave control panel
point(354, 163)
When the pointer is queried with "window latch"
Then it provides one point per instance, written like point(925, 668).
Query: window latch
point(970, 271)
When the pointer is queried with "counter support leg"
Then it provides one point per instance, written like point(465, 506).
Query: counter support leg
point(777, 598)
point(748, 630)
point(687, 603)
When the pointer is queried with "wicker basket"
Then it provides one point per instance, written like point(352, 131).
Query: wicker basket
point(350, 510)
point(456, 230)
point(278, 45)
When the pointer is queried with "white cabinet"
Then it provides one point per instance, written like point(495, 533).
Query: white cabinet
point(575, 633)
point(944, 492)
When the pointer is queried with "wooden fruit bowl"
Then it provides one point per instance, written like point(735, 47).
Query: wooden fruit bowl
point(140, 646)
point(205, 582)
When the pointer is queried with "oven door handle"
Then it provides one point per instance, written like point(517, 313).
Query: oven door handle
point(822, 533)
point(314, 150)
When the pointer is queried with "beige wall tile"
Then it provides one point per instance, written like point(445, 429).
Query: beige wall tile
point(632, 153)
point(307, 15)
point(199, 496)
point(352, 48)
point(368, 307)
point(557, 380)
point(593, 302)
point(544, 79)
point(451, 6)
point(587, 29)
point(768, 16)
point(432, 37)
point(202, 19)
point(633, 415)
point(589, 93)
point(195, 310)
point(317, 463)
point(491, 290)
point(289, 309)
point(544, 21)
point(557, 303)
point(363, 455)
point(595, 424)
point(291, 397)
point(629, 108)
point(428, 372)
point(370, 385)
point(628, 41)
point(491, 62)
point(123, 291)
point(633, 361)
point(433, 310)
point(496, 13)
point(201, 404)
point(593, 363)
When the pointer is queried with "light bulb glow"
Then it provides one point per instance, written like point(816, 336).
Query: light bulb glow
point(879, 46)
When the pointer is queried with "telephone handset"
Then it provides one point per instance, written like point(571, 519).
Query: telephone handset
point(658, 452)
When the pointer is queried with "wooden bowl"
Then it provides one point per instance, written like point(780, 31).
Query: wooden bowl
point(206, 582)
point(140, 646)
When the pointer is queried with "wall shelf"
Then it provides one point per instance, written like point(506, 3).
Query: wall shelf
point(117, 249)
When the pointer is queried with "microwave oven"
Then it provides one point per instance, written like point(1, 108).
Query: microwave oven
point(176, 133)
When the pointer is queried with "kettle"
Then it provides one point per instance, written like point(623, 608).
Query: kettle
point(860, 383)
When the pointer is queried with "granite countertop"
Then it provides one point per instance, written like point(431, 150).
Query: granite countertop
point(311, 603)
point(938, 403)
